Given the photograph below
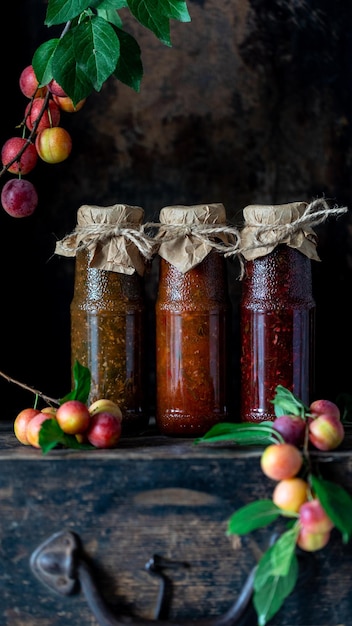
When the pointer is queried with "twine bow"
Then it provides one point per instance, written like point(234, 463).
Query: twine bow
point(89, 236)
point(315, 213)
point(205, 233)
point(273, 234)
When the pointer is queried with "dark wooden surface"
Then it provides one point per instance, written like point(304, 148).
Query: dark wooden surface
point(152, 495)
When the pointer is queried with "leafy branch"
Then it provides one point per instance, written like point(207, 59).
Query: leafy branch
point(277, 572)
point(93, 45)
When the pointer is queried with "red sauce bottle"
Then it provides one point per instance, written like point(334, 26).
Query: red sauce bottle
point(192, 316)
point(277, 310)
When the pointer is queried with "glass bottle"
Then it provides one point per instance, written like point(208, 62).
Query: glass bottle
point(277, 309)
point(192, 316)
point(107, 313)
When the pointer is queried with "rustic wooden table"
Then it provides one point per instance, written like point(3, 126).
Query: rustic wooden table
point(153, 495)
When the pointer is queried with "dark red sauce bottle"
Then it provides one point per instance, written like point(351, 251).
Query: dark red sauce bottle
point(277, 311)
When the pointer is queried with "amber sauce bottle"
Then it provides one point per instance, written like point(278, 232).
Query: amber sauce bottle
point(277, 313)
point(192, 317)
point(107, 333)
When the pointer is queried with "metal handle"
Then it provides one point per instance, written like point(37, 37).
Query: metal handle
point(60, 564)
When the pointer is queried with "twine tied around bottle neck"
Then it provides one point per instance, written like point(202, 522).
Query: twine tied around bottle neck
point(125, 246)
point(260, 236)
point(315, 213)
point(87, 237)
point(187, 234)
point(186, 245)
point(228, 237)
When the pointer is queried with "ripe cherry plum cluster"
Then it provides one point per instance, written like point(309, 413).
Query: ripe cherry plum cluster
point(322, 424)
point(42, 137)
point(320, 428)
point(98, 424)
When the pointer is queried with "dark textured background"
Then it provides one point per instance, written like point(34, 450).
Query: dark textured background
point(251, 104)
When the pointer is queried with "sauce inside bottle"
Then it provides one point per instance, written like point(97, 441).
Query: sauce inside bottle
point(107, 336)
point(277, 325)
point(108, 307)
point(192, 317)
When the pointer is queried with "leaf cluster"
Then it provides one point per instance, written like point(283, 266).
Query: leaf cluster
point(93, 45)
point(286, 403)
point(277, 571)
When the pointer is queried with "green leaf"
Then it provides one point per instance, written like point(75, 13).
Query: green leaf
point(110, 5)
point(337, 503)
point(82, 382)
point(42, 60)
point(110, 16)
point(85, 57)
point(269, 598)
point(129, 68)
point(245, 434)
point(155, 16)
point(277, 559)
point(51, 435)
point(175, 9)
point(252, 516)
point(276, 576)
point(283, 551)
point(61, 11)
point(286, 403)
point(96, 50)
point(66, 69)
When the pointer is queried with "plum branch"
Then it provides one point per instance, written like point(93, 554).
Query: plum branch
point(38, 393)
point(30, 136)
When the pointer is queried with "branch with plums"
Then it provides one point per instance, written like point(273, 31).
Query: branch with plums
point(64, 71)
point(314, 507)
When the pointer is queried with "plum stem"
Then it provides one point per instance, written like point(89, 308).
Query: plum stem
point(28, 388)
point(30, 137)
